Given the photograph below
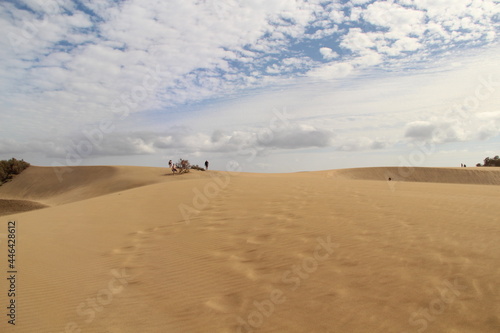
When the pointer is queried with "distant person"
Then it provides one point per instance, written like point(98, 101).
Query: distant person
point(170, 164)
point(206, 165)
point(465, 166)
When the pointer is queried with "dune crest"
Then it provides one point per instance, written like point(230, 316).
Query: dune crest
point(55, 186)
point(479, 176)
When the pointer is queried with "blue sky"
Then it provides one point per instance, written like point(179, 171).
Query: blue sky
point(275, 86)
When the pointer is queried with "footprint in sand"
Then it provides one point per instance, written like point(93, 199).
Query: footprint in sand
point(229, 303)
point(243, 267)
point(261, 239)
point(125, 250)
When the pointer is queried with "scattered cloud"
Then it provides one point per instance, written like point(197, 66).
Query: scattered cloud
point(332, 71)
point(68, 65)
point(328, 53)
point(420, 130)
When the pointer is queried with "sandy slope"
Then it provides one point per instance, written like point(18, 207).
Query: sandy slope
point(46, 186)
point(486, 176)
point(69, 184)
point(131, 250)
point(11, 206)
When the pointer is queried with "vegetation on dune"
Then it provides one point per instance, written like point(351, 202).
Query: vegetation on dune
point(197, 167)
point(10, 168)
point(491, 162)
point(183, 166)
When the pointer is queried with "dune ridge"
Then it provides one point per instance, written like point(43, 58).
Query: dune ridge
point(67, 184)
point(49, 186)
point(479, 176)
point(327, 251)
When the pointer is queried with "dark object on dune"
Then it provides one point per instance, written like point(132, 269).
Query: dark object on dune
point(493, 162)
point(8, 206)
point(10, 168)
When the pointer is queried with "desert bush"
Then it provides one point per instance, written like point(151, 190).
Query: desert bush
point(197, 167)
point(10, 168)
point(3, 175)
point(183, 166)
point(493, 162)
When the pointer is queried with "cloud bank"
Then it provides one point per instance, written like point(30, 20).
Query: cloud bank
point(144, 66)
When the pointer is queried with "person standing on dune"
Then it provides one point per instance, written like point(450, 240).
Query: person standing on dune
point(206, 165)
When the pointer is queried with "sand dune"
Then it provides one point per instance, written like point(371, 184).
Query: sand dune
point(485, 176)
point(8, 206)
point(68, 184)
point(128, 249)
point(46, 186)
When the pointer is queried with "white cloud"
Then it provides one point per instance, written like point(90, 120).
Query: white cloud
point(328, 53)
point(360, 2)
point(362, 143)
point(407, 44)
point(443, 130)
point(399, 20)
point(301, 136)
point(420, 130)
point(368, 59)
point(331, 71)
point(357, 41)
point(64, 69)
point(337, 16)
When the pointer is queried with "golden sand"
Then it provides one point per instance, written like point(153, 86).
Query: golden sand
point(133, 249)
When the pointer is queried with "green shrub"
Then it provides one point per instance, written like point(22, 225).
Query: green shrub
point(10, 168)
point(494, 162)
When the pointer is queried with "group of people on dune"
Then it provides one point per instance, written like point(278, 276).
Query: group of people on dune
point(183, 166)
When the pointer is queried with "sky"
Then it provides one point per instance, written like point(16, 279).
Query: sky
point(254, 85)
